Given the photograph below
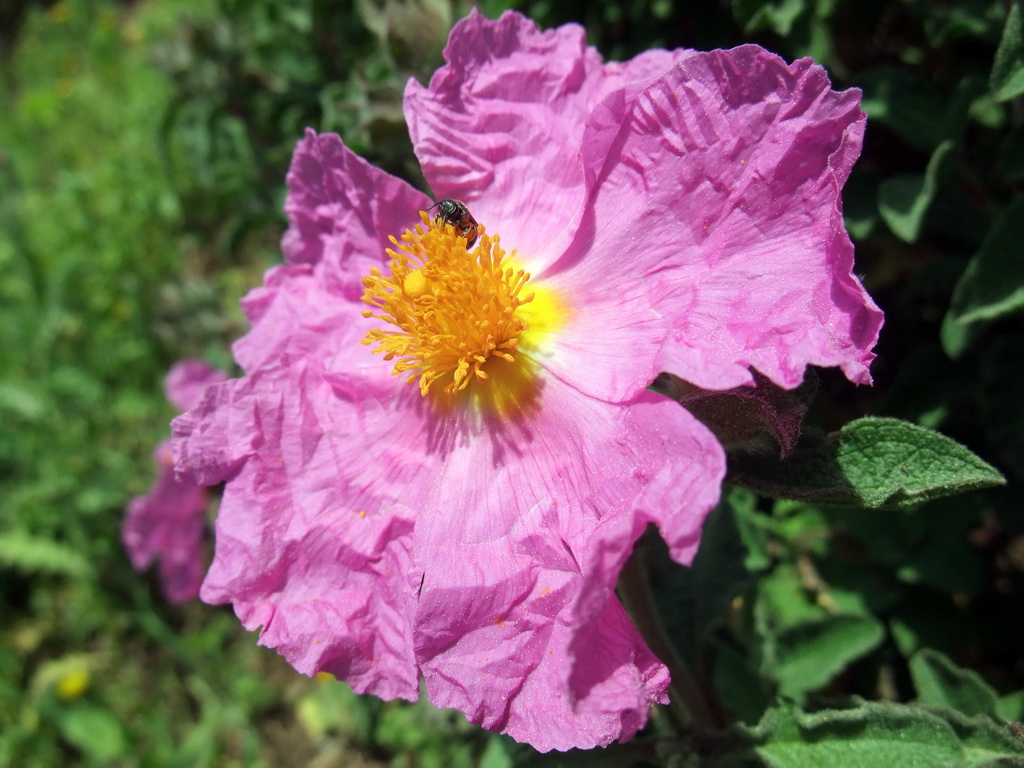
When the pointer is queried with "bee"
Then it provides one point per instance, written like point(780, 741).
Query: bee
point(457, 214)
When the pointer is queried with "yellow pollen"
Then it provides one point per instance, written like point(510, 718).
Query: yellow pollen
point(452, 310)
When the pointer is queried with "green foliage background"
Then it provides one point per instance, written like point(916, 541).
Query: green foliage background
point(143, 148)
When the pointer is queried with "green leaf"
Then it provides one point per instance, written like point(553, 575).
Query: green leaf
point(753, 528)
point(778, 16)
point(945, 24)
point(939, 682)
point(496, 754)
point(1007, 78)
point(854, 588)
point(783, 601)
point(331, 708)
point(803, 526)
point(808, 655)
point(694, 600)
point(860, 203)
point(739, 686)
point(93, 730)
point(1011, 706)
point(904, 200)
point(22, 401)
point(36, 555)
point(909, 105)
point(993, 283)
point(871, 462)
point(957, 337)
point(873, 734)
point(717, 574)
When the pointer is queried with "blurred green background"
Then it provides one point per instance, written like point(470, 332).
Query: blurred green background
point(143, 149)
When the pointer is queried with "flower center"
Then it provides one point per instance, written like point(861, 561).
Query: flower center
point(452, 310)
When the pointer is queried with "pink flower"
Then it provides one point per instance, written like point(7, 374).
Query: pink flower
point(186, 382)
point(167, 523)
point(677, 212)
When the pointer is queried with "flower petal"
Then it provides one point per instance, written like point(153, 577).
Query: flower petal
point(294, 315)
point(499, 126)
point(373, 539)
point(317, 555)
point(186, 381)
point(341, 211)
point(167, 525)
point(719, 192)
point(517, 624)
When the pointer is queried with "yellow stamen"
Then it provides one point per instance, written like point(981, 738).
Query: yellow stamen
point(453, 310)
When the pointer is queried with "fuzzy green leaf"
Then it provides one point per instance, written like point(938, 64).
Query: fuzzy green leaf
point(872, 734)
point(993, 283)
point(871, 462)
point(1011, 706)
point(939, 682)
point(812, 653)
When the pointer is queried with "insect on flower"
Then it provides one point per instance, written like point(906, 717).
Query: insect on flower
point(456, 213)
